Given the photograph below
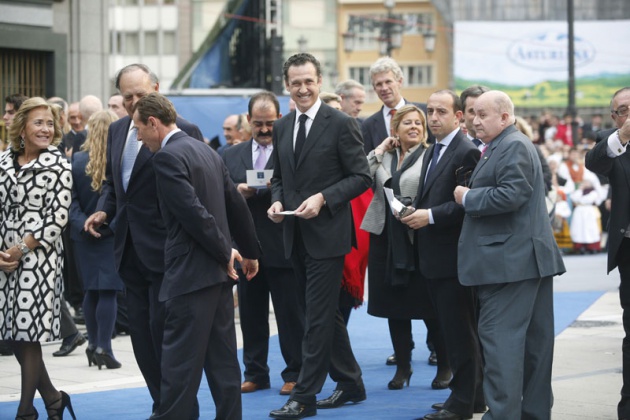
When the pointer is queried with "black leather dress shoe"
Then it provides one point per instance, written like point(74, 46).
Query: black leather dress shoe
point(391, 360)
point(339, 397)
point(294, 410)
point(476, 409)
point(444, 415)
point(69, 345)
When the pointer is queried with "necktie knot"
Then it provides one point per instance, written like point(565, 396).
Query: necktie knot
point(392, 112)
point(303, 118)
point(477, 142)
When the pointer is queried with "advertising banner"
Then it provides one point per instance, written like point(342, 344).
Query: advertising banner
point(529, 60)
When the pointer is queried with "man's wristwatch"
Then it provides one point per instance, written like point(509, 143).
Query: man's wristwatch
point(24, 249)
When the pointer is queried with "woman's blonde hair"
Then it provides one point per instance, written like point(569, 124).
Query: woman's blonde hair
point(96, 146)
point(21, 118)
point(408, 109)
point(523, 126)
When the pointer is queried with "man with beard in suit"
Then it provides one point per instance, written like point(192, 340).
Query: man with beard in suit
point(275, 275)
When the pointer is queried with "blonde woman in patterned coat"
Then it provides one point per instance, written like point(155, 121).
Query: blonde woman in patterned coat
point(35, 194)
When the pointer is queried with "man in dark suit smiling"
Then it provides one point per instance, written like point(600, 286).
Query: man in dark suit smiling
point(319, 168)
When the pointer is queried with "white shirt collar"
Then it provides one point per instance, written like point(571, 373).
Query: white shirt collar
point(310, 113)
point(449, 138)
point(255, 146)
point(169, 135)
point(399, 105)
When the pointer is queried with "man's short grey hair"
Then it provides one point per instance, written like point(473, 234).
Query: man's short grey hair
point(385, 64)
point(346, 87)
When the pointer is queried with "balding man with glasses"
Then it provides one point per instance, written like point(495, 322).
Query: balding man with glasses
point(609, 157)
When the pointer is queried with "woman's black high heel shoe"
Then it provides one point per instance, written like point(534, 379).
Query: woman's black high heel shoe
point(400, 379)
point(33, 416)
point(442, 380)
point(57, 412)
point(102, 358)
point(90, 356)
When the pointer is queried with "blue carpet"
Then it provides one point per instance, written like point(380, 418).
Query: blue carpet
point(371, 344)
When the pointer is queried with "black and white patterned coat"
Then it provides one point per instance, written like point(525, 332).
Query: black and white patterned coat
point(34, 200)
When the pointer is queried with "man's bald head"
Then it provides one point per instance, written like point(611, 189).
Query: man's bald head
point(89, 105)
point(494, 111)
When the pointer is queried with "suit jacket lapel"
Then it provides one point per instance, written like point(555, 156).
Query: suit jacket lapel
point(118, 146)
point(144, 155)
point(442, 163)
point(269, 164)
point(285, 145)
point(380, 128)
point(317, 128)
point(247, 156)
point(426, 160)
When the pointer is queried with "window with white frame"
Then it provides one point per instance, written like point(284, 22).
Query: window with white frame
point(151, 43)
point(417, 23)
point(367, 28)
point(361, 75)
point(418, 75)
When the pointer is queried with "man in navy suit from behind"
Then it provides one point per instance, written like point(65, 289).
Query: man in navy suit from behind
point(275, 276)
point(202, 212)
point(129, 195)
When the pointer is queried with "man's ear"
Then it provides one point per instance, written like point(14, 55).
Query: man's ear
point(152, 121)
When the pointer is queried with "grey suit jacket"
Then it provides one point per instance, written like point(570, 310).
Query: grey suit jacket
point(332, 162)
point(506, 235)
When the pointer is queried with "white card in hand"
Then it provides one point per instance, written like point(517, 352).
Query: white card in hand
point(258, 178)
point(394, 204)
